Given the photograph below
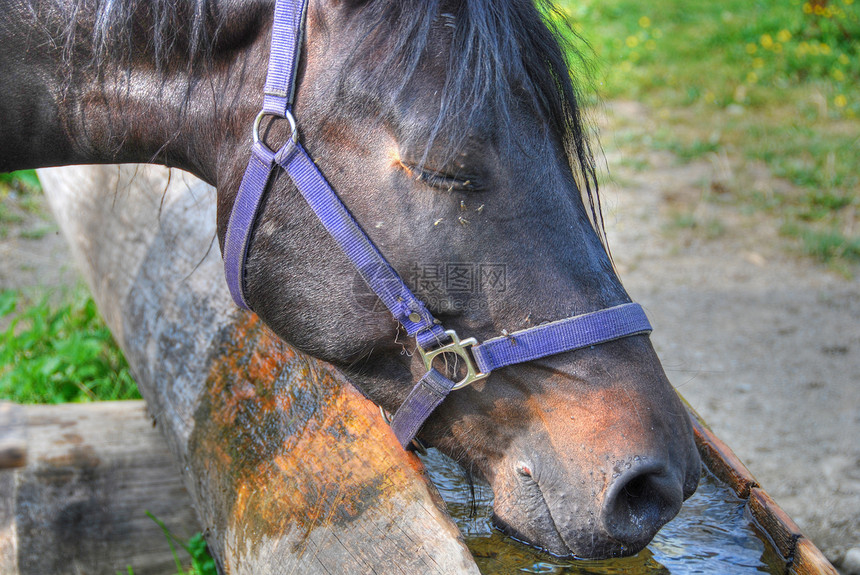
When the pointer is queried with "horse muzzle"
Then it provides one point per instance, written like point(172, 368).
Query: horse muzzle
point(597, 476)
point(568, 518)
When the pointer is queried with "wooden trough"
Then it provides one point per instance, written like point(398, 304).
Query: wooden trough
point(289, 469)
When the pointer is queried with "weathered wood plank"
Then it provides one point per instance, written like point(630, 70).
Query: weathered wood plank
point(79, 506)
point(8, 533)
point(776, 523)
point(13, 440)
point(809, 560)
point(291, 470)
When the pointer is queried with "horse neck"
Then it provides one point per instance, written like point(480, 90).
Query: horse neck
point(64, 102)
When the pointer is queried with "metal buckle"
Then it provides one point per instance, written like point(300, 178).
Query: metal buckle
point(457, 346)
point(294, 137)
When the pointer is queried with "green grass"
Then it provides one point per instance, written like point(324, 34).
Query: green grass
point(23, 181)
point(773, 81)
point(201, 561)
point(19, 198)
point(59, 353)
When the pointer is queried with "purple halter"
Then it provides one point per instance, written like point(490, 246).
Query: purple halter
point(479, 359)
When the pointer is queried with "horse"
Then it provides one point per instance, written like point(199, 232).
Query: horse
point(453, 132)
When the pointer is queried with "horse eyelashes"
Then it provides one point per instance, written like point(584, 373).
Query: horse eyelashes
point(445, 182)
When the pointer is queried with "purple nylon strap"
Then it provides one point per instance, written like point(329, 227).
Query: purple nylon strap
point(287, 32)
point(563, 335)
point(526, 345)
point(242, 218)
point(364, 255)
point(424, 398)
point(278, 95)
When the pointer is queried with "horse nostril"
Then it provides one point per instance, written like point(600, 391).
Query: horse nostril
point(639, 502)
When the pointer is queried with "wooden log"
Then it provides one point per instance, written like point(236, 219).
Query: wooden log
point(290, 468)
point(79, 506)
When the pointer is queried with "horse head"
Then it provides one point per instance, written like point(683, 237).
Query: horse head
point(452, 133)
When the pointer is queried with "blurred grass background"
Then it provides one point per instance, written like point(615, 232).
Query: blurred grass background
point(776, 82)
point(54, 347)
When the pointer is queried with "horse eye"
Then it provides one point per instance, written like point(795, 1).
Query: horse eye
point(441, 180)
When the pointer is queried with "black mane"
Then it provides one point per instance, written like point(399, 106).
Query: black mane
point(164, 33)
point(502, 50)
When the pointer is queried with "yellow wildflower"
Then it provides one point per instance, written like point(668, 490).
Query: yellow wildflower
point(783, 36)
point(766, 41)
point(758, 63)
point(752, 48)
point(841, 101)
point(632, 41)
point(752, 78)
point(838, 75)
point(644, 21)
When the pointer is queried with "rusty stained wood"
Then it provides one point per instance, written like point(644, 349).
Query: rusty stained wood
point(79, 506)
point(290, 468)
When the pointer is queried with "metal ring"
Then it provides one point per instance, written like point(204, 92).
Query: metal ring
point(294, 137)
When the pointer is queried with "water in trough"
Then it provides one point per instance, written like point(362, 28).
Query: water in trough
point(712, 534)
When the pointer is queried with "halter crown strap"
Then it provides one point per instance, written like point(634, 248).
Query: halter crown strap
point(526, 345)
point(284, 54)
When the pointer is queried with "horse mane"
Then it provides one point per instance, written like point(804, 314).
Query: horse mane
point(517, 44)
point(503, 52)
point(159, 32)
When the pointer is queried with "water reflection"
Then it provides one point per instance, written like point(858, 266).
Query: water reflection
point(712, 534)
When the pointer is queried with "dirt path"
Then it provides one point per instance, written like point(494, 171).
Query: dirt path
point(764, 344)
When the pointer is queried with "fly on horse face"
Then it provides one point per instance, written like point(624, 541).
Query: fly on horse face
point(451, 133)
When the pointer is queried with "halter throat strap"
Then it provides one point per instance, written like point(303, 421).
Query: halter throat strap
point(480, 359)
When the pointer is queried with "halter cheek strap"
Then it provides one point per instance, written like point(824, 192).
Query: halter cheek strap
point(433, 340)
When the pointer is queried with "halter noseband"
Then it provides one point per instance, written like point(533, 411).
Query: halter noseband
point(480, 359)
